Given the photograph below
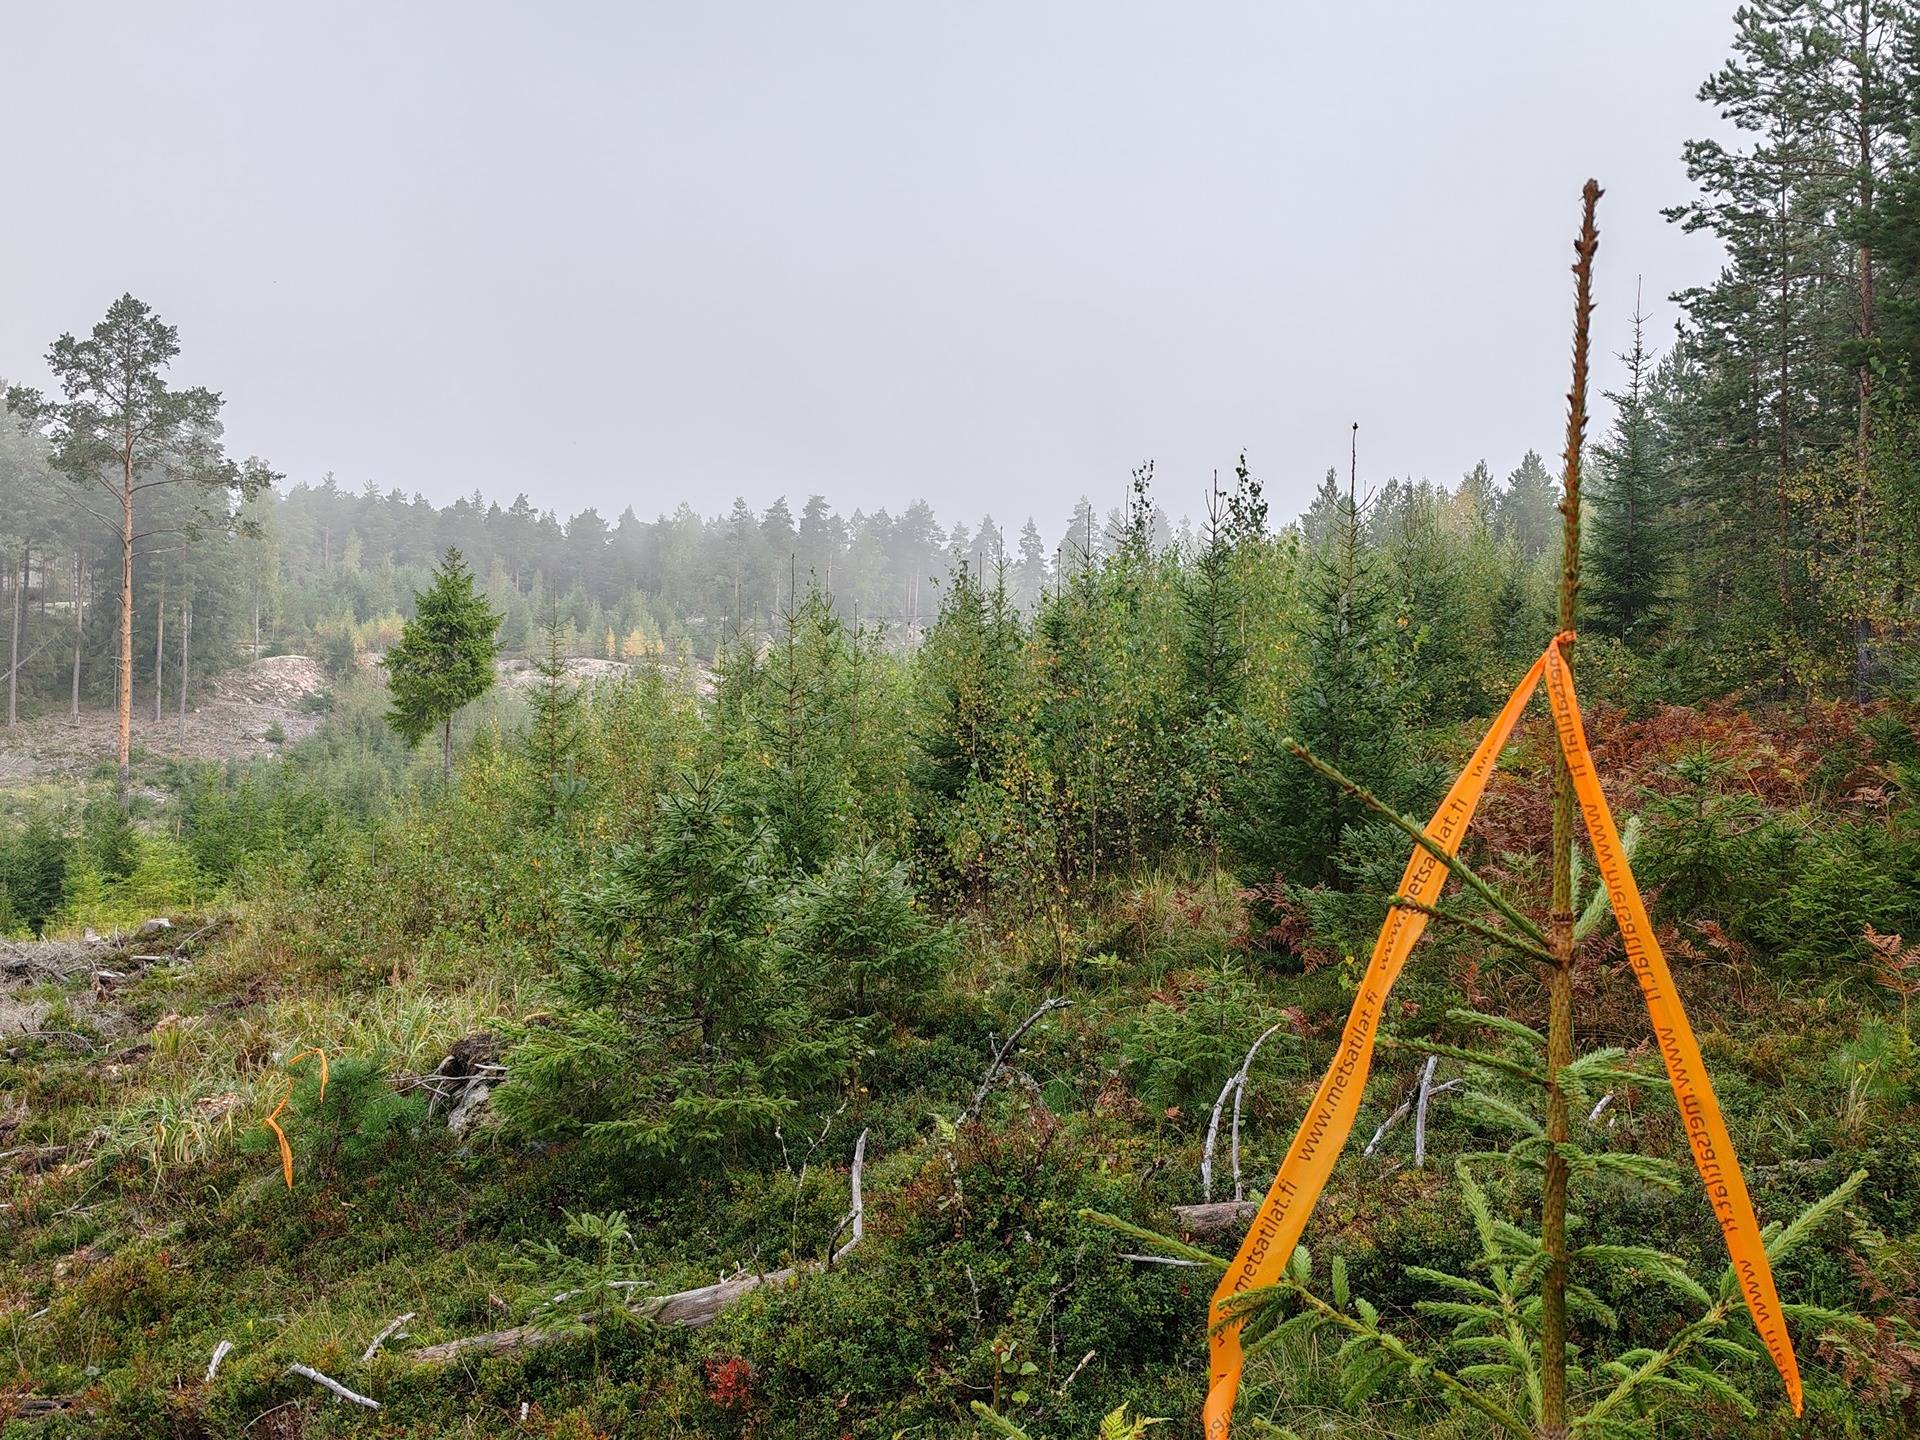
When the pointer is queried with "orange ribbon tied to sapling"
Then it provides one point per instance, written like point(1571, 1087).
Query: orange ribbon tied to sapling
point(272, 1121)
point(1282, 1217)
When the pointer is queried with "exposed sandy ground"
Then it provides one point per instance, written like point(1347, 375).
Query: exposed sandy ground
point(584, 668)
point(231, 720)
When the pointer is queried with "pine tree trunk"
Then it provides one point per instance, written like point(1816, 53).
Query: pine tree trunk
point(186, 657)
point(1783, 457)
point(1863, 440)
point(446, 748)
point(124, 699)
point(79, 631)
point(1553, 1205)
point(160, 653)
point(13, 654)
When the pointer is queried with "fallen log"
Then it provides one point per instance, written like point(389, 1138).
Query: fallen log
point(26, 1407)
point(1217, 1218)
point(693, 1308)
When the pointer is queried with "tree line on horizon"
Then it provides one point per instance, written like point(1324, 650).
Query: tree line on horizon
point(319, 568)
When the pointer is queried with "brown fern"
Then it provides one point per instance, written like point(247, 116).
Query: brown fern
point(1896, 965)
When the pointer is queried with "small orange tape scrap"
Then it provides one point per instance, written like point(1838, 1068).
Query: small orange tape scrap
point(272, 1122)
point(286, 1151)
point(1282, 1217)
point(313, 1050)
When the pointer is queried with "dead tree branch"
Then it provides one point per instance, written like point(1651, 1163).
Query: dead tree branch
point(327, 1382)
point(1236, 1086)
point(393, 1327)
point(1000, 1056)
point(693, 1308)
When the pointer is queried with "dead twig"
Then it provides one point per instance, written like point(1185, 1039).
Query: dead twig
point(283, 1405)
point(1424, 1091)
point(1240, 1094)
point(1420, 1113)
point(1399, 1114)
point(858, 1214)
point(327, 1382)
point(1213, 1134)
point(1047, 1007)
point(1236, 1086)
point(1084, 1360)
point(393, 1328)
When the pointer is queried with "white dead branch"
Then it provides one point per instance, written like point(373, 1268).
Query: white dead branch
point(1000, 1055)
point(327, 1382)
point(393, 1328)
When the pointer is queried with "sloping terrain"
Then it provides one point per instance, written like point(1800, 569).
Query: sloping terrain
point(245, 713)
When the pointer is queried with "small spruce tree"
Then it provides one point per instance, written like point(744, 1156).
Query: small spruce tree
point(684, 1025)
point(1348, 705)
point(1628, 554)
point(444, 658)
point(783, 720)
point(552, 740)
point(1213, 670)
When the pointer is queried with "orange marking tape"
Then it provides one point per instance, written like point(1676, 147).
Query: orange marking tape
point(1282, 1217)
point(272, 1122)
point(316, 1050)
point(1699, 1111)
point(1276, 1229)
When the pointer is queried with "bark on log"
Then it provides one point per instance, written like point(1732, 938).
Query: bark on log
point(26, 1407)
point(1218, 1218)
point(692, 1308)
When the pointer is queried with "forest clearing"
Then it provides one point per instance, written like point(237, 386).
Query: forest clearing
point(466, 972)
point(244, 715)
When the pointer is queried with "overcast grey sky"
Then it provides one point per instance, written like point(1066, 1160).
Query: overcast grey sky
point(989, 254)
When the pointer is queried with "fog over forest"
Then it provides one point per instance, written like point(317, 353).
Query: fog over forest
point(991, 261)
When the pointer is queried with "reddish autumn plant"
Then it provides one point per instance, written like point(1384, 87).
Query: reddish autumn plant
point(730, 1381)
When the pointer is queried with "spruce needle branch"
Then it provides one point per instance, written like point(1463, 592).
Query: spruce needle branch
point(1395, 1347)
point(1465, 1056)
point(1484, 931)
point(1454, 863)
